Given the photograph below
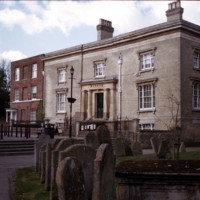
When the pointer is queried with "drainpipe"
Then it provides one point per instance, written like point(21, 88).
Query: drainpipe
point(120, 91)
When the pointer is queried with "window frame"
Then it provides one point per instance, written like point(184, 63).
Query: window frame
point(196, 96)
point(58, 102)
point(34, 93)
point(143, 96)
point(34, 70)
point(59, 72)
point(145, 60)
point(196, 60)
point(99, 68)
point(17, 74)
point(33, 115)
point(16, 97)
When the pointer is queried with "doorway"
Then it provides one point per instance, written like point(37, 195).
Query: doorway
point(99, 105)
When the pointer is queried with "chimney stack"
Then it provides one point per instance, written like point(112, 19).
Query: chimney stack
point(174, 11)
point(104, 29)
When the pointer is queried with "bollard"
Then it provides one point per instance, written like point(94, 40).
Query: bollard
point(21, 131)
point(1, 131)
point(16, 131)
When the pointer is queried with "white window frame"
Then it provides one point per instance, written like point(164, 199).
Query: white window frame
point(148, 126)
point(34, 92)
point(196, 96)
point(196, 61)
point(62, 75)
point(17, 94)
point(99, 69)
point(34, 70)
point(61, 102)
point(17, 74)
point(147, 61)
point(32, 115)
point(145, 99)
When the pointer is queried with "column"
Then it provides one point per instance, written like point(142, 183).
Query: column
point(89, 103)
point(93, 104)
point(83, 105)
point(6, 116)
point(112, 105)
point(105, 104)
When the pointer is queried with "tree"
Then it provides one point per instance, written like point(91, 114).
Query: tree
point(4, 92)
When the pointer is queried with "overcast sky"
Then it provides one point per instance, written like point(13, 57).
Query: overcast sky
point(29, 28)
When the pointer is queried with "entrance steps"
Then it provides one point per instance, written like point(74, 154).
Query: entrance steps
point(16, 147)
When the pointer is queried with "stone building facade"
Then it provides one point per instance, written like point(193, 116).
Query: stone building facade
point(26, 88)
point(150, 76)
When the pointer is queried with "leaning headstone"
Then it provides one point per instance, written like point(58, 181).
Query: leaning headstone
point(119, 147)
point(163, 149)
point(182, 147)
point(155, 144)
point(91, 139)
point(43, 139)
point(104, 165)
point(85, 155)
point(136, 148)
point(62, 145)
point(49, 148)
point(103, 135)
point(70, 180)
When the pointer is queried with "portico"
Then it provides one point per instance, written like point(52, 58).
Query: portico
point(98, 99)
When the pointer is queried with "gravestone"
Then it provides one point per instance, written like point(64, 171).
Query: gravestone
point(62, 145)
point(103, 135)
point(136, 148)
point(119, 147)
point(104, 165)
point(91, 139)
point(163, 149)
point(182, 147)
point(85, 155)
point(43, 162)
point(70, 180)
point(155, 144)
point(43, 139)
point(49, 148)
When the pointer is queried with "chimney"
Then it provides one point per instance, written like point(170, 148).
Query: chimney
point(104, 29)
point(174, 11)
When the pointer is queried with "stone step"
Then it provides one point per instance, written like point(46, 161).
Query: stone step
point(16, 153)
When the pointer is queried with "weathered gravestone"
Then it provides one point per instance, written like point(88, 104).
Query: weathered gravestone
point(85, 155)
point(70, 180)
point(121, 147)
point(163, 149)
point(62, 145)
point(103, 135)
point(43, 139)
point(182, 147)
point(155, 144)
point(91, 139)
point(104, 165)
point(42, 162)
point(49, 148)
point(136, 148)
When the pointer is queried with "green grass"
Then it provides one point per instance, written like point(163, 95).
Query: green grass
point(28, 186)
point(194, 155)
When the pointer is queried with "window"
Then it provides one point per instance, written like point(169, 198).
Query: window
point(196, 60)
point(196, 96)
point(147, 97)
point(61, 75)
point(33, 115)
point(17, 94)
point(17, 71)
point(34, 92)
point(146, 127)
point(146, 61)
point(61, 102)
point(99, 69)
point(34, 71)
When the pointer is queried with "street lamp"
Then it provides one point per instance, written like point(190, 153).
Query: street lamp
point(71, 100)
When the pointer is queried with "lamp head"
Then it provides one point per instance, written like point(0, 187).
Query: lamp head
point(72, 70)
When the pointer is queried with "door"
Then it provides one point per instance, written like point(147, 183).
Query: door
point(99, 105)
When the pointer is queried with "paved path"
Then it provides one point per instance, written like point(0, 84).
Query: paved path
point(8, 165)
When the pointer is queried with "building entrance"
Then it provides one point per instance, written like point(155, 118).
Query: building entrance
point(99, 105)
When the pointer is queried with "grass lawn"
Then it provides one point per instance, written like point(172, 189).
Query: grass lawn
point(28, 186)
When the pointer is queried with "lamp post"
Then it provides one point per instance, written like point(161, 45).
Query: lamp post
point(71, 100)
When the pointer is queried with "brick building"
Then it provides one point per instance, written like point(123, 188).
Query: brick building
point(26, 88)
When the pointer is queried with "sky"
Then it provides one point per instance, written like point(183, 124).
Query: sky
point(30, 28)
